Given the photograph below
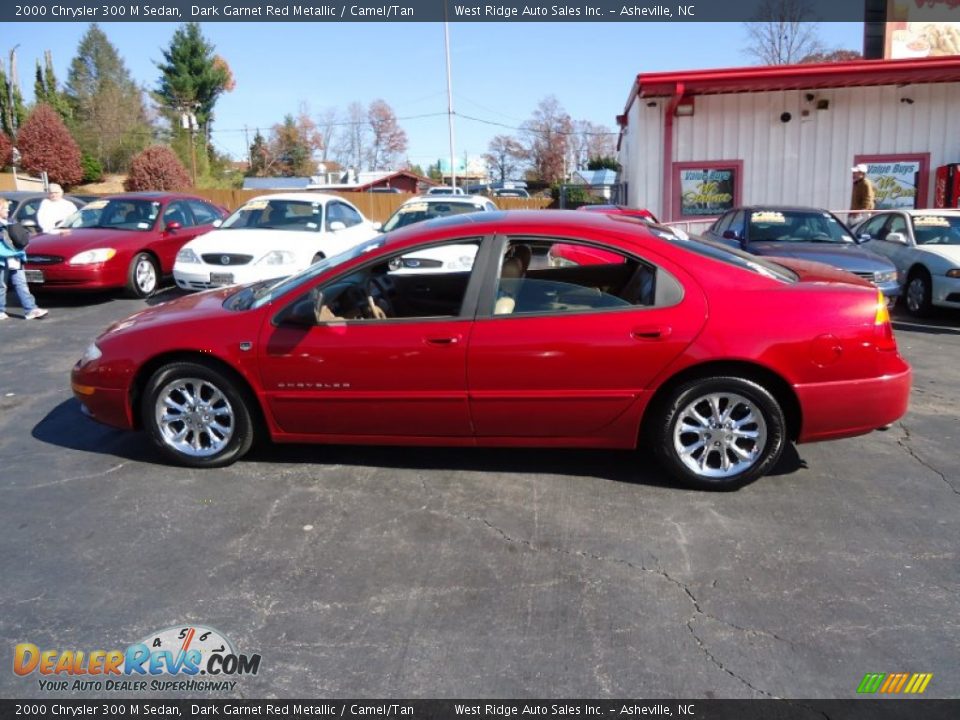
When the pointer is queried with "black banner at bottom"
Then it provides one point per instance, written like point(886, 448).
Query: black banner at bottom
point(854, 709)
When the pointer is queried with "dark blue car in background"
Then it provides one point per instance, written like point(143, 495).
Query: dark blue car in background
point(805, 234)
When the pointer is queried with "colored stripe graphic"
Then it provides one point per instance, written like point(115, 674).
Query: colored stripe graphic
point(895, 683)
point(871, 682)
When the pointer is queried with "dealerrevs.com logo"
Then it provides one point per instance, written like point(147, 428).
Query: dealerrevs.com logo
point(172, 659)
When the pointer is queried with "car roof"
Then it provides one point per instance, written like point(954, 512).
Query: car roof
point(781, 208)
point(548, 223)
point(309, 197)
point(154, 195)
point(949, 212)
point(461, 199)
point(21, 195)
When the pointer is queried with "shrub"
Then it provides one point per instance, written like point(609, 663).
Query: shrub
point(157, 168)
point(92, 169)
point(46, 145)
point(6, 149)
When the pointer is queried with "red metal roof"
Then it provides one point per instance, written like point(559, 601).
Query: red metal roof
point(858, 73)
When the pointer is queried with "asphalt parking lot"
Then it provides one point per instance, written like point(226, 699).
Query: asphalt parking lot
point(417, 573)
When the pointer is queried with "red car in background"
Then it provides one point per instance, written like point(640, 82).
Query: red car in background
point(620, 210)
point(120, 241)
point(562, 255)
point(654, 350)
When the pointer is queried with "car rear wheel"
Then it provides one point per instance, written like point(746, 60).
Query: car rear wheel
point(196, 416)
point(142, 276)
point(720, 433)
point(918, 293)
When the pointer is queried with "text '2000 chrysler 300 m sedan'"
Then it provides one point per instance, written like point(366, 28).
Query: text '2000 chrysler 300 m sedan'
point(653, 348)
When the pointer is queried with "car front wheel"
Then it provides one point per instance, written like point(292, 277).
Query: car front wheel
point(196, 416)
point(720, 433)
point(918, 294)
point(142, 276)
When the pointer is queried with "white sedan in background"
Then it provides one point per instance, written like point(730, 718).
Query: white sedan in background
point(925, 247)
point(271, 236)
point(430, 207)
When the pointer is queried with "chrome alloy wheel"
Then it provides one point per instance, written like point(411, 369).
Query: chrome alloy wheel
point(194, 417)
point(145, 275)
point(720, 435)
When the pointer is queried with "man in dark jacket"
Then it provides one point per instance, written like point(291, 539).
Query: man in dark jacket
point(863, 196)
point(11, 266)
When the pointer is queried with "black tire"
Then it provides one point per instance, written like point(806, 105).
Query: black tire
point(750, 408)
point(917, 293)
point(218, 429)
point(143, 277)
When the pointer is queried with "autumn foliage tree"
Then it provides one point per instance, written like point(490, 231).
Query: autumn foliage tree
point(6, 149)
point(389, 139)
point(157, 168)
point(46, 145)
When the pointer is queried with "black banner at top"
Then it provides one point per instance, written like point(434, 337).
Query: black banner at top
point(338, 11)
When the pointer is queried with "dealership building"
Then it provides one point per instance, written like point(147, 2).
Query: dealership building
point(695, 143)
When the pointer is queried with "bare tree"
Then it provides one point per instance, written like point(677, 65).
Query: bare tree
point(388, 139)
point(548, 133)
point(783, 32)
point(351, 146)
point(327, 124)
point(504, 155)
point(590, 140)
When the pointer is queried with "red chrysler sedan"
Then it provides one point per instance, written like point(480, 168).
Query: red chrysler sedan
point(654, 349)
point(120, 241)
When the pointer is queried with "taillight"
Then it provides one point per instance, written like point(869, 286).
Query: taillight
point(883, 327)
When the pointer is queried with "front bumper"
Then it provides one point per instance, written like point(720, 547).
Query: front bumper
point(110, 406)
point(945, 291)
point(61, 276)
point(194, 276)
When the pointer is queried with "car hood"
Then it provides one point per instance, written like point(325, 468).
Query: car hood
point(201, 307)
point(847, 256)
point(254, 241)
point(70, 242)
point(950, 253)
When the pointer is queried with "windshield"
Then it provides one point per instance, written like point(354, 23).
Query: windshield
point(936, 229)
point(259, 294)
point(300, 215)
point(121, 214)
point(418, 212)
point(796, 226)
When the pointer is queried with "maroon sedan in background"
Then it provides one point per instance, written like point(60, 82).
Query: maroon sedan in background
point(121, 241)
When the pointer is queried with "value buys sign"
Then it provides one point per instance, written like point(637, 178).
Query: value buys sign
point(894, 183)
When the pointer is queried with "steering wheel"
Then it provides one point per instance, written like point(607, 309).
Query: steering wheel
point(380, 289)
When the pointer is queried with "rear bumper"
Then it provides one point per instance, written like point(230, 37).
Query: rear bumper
point(854, 407)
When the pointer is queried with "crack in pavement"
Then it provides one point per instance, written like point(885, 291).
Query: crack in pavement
point(660, 572)
point(904, 442)
point(92, 476)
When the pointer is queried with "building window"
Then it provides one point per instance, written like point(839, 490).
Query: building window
point(706, 189)
point(899, 181)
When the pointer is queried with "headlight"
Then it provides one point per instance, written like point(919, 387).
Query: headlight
point(954, 273)
point(885, 276)
point(90, 354)
point(186, 255)
point(91, 257)
point(277, 257)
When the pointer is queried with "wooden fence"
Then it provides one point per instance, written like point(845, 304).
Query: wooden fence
point(375, 206)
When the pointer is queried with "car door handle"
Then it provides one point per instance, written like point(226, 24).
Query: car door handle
point(651, 332)
point(442, 339)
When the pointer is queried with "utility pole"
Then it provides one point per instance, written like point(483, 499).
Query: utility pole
point(188, 121)
point(12, 85)
point(446, 43)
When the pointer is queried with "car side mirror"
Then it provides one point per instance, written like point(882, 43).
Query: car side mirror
point(170, 226)
point(336, 226)
point(377, 225)
point(217, 223)
point(31, 225)
point(863, 237)
point(305, 312)
point(730, 235)
point(896, 237)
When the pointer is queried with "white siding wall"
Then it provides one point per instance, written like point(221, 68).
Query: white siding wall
point(805, 161)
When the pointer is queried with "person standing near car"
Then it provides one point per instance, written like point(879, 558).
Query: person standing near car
point(11, 259)
point(54, 209)
point(863, 196)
